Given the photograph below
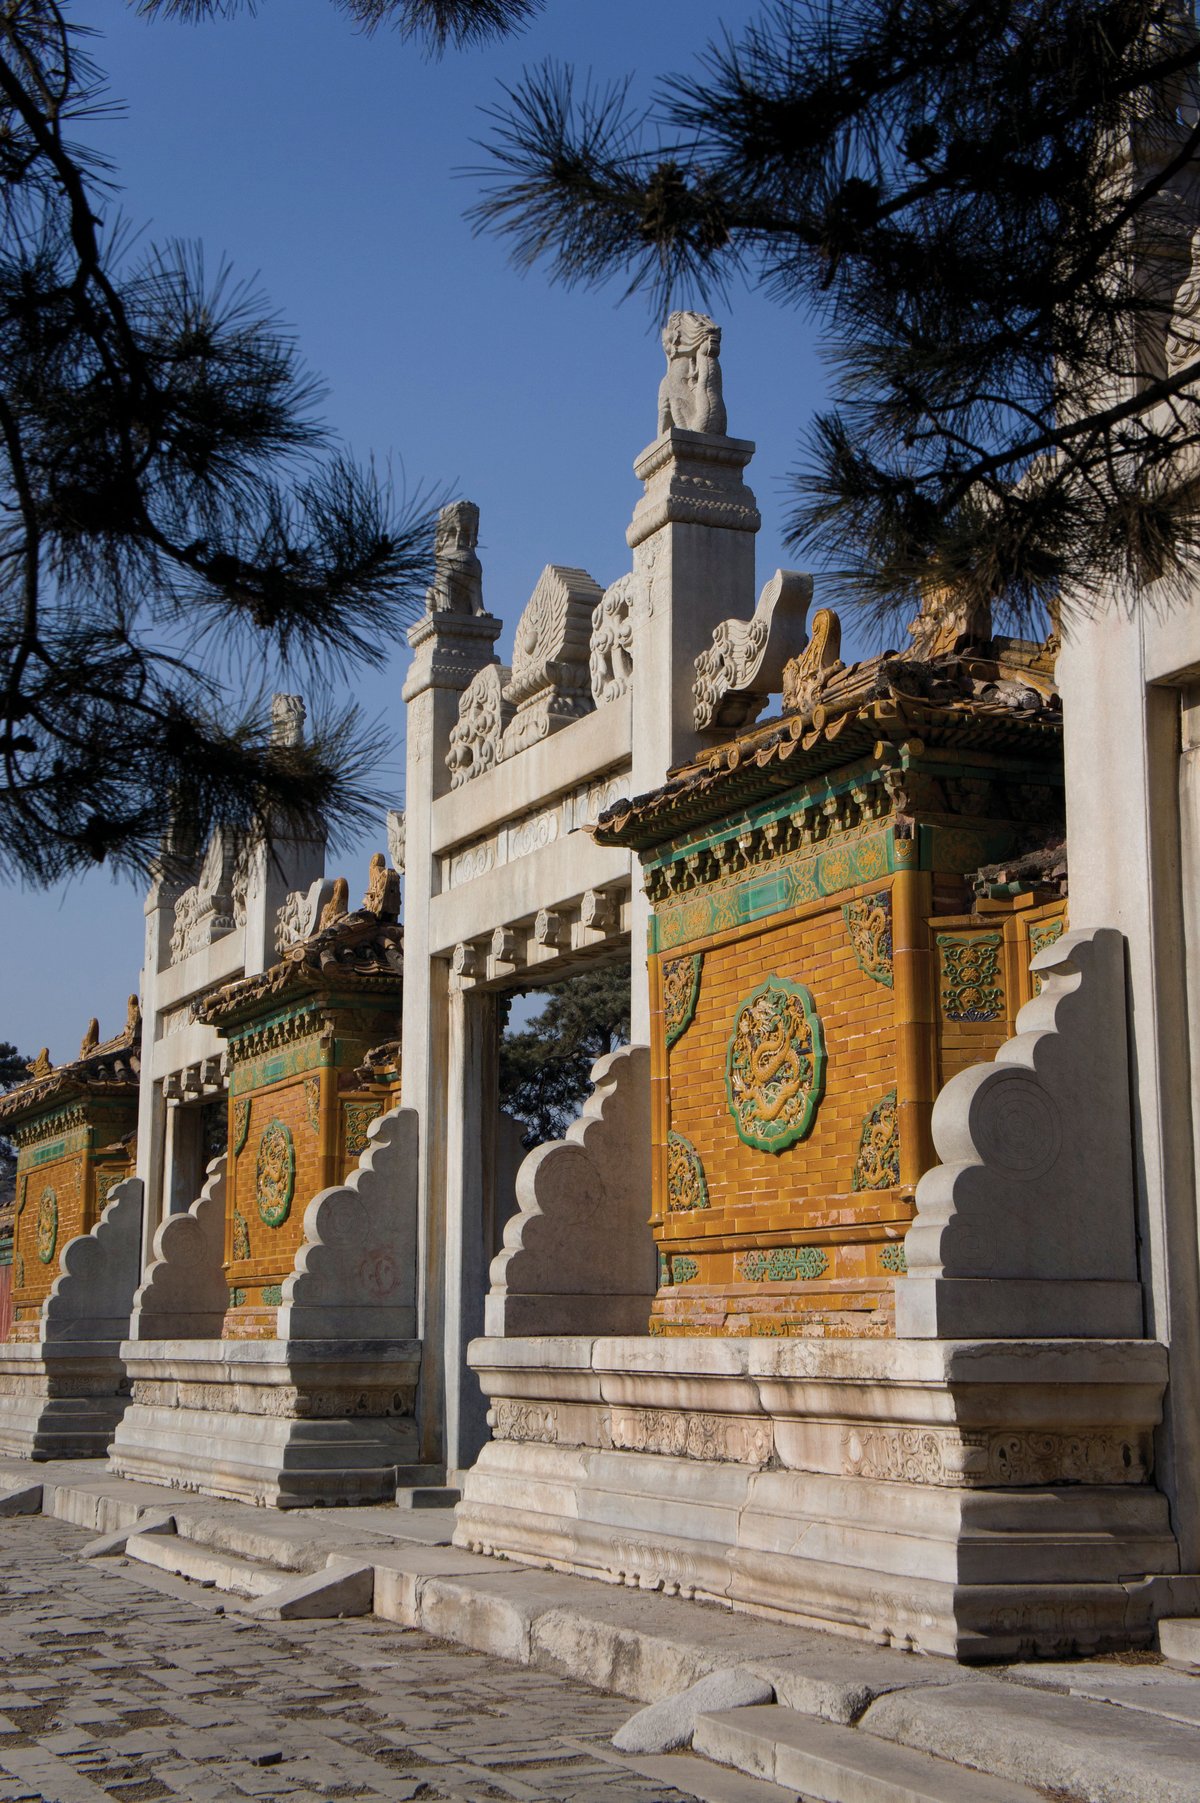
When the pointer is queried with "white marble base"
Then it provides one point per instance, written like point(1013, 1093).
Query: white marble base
point(58, 1400)
point(982, 1499)
point(286, 1424)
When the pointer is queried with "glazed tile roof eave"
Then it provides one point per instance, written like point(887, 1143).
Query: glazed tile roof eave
point(66, 1085)
point(781, 755)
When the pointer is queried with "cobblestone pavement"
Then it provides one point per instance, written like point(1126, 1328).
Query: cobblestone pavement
point(110, 1689)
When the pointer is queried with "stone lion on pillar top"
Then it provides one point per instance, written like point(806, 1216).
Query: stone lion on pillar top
point(458, 574)
point(690, 394)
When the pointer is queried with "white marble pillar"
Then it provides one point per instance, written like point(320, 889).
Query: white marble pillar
point(450, 647)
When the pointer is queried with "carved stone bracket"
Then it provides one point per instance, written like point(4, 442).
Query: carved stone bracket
point(578, 1255)
point(551, 681)
point(744, 665)
point(1027, 1227)
point(484, 711)
point(183, 1295)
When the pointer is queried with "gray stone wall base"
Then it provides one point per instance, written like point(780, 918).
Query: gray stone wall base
point(60, 1401)
point(983, 1500)
point(278, 1423)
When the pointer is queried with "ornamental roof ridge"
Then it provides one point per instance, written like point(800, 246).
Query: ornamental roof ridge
point(362, 949)
point(101, 1067)
point(997, 696)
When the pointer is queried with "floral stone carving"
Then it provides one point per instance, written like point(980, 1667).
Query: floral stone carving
point(775, 1065)
point(551, 682)
point(878, 1163)
point(745, 662)
point(971, 988)
point(690, 394)
point(483, 714)
point(869, 924)
point(610, 659)
point(687, 1186)
point(275, 1173)
point(681, 992)
point(47, 1226)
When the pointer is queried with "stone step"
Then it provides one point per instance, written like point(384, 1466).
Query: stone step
point(202, 1564)
point(829, 1764)
point(1179, 1642)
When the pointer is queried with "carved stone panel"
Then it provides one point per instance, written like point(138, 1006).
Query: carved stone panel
point(744, 665)
point(611, 656)
point(483, 713)
point(551, 681)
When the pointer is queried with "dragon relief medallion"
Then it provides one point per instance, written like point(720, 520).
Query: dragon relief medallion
point(775, 1065)
point(47, 1225)
point(275, 1173)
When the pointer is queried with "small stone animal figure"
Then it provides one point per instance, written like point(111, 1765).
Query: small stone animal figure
point(458, 574)
point(690, 394)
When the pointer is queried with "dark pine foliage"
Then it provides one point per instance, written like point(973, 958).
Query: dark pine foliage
point(545, 1069)
point(174, 513)
point(985, 205)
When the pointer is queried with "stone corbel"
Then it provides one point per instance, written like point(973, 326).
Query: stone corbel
point(1026, 1229)
point(744, 665)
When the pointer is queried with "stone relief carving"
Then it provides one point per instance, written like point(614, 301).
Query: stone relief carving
point(458, 574)
point(641, 1565)
point(299, 913)
point(206, 911)
point(551, 683)
point(484, 711)
point(745, 663)
point(523, 1421)
point(689, 395)
point(951, 1458)
point(395, 838)
point(288, 714)
point(807, 675)
point(578, 1255)
point(691, 1434)
point(610, 659)
point(1183, 333)
point(775, 1065)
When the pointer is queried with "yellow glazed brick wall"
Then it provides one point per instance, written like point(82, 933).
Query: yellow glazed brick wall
point(68, 1178)
point(802, 1195)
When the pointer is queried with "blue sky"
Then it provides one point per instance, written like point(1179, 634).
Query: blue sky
point(328, 165)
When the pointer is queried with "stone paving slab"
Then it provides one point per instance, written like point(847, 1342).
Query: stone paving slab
point(111, 1689)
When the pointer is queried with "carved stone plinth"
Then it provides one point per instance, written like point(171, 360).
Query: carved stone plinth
point(979, 1499)
point(288, 1425)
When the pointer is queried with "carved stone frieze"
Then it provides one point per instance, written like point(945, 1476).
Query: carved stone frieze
point(524, 1421)
point(611, 656)
point(949, 1457)
point(692, 1434)
point(551, 681)
point(287, 1402)
point(527, 833)
point(483, 713)
point(745, 663)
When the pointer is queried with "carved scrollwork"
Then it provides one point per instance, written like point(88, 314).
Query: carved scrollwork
point(611, 656)
point(745, 663)
point(551, 683)
point(878, 1163)
point(484, 712)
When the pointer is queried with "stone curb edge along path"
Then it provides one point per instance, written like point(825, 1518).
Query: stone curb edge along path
point(645, 1646)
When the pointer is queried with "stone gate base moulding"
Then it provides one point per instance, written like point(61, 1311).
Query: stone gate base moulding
point(981, 1499)
point(287, 1425)
point(60, 1401)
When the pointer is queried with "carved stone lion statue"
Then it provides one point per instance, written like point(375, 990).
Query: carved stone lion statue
point(458, 574)
point(690, 393)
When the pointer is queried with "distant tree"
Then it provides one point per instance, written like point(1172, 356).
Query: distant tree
point(985, 206)
point(172, 512)
point(13, 1070)
point(545, 1068)
point(437, 22)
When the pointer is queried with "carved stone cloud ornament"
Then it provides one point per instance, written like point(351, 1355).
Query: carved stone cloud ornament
point(745, 663)
point(483, 713)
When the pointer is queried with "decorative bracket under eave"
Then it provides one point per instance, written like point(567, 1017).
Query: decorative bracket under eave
point(744, 664)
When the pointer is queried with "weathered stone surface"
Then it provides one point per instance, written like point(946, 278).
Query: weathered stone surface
point(183, 1295)
point(578, 1254)
point(669, 1723)
point(1026, 1228)
point(344, 1587)
point(1179, 1641)
point(93, 1293)
point(25, 1501)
